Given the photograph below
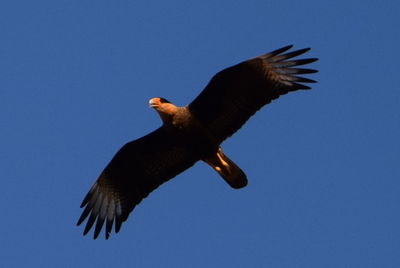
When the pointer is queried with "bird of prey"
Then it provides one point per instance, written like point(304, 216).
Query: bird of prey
point(192, 133)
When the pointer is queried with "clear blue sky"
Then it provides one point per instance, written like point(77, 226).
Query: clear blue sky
point(323, 165)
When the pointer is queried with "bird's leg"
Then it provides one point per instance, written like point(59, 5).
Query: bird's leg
point(218, 163)
point(222, 161)
point(227, 169)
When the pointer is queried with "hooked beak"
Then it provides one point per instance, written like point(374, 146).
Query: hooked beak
point(153, 103)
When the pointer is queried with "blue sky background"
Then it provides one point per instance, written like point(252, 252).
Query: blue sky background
point(323, 165)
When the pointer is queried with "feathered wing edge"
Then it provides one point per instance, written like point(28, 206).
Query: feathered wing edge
point(103, 207)
point(137, 169)
point(284, 69)
point(236, 93)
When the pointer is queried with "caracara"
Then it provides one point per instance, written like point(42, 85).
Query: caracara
point(191, 133)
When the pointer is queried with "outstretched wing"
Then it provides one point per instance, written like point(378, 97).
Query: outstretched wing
point(236, 93)
point(138, 168)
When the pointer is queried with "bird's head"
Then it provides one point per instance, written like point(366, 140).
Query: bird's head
point(158, 102)
point(164, 108)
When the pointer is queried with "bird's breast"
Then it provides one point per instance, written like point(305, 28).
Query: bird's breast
point(193, 134)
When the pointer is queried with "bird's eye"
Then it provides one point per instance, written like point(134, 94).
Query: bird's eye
point(162, 100)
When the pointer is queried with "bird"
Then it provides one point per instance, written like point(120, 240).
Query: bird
point(190, 134)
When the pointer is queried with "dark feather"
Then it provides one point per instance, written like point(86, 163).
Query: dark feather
point(277, 51)
point(101, 216)
point(110, 217)
point(236, 93)
point(138, 168)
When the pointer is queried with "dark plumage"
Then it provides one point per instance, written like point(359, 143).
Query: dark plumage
point(190, 134)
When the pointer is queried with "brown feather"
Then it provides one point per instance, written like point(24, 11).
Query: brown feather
point(236, 93)
point(138, 168)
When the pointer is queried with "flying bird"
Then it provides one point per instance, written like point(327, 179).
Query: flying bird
point(190, 134)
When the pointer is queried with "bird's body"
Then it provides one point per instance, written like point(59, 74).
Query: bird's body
point(180, 122)
point(190, 134)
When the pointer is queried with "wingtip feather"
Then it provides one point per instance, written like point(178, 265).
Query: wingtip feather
point(89, 223)
point(285, 67)
point(101, 217)
point(277, 51)
point(300, 86)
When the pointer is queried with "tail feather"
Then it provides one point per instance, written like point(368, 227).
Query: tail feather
point(228, 170)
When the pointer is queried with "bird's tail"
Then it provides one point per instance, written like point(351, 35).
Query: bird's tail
point(228, 170)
